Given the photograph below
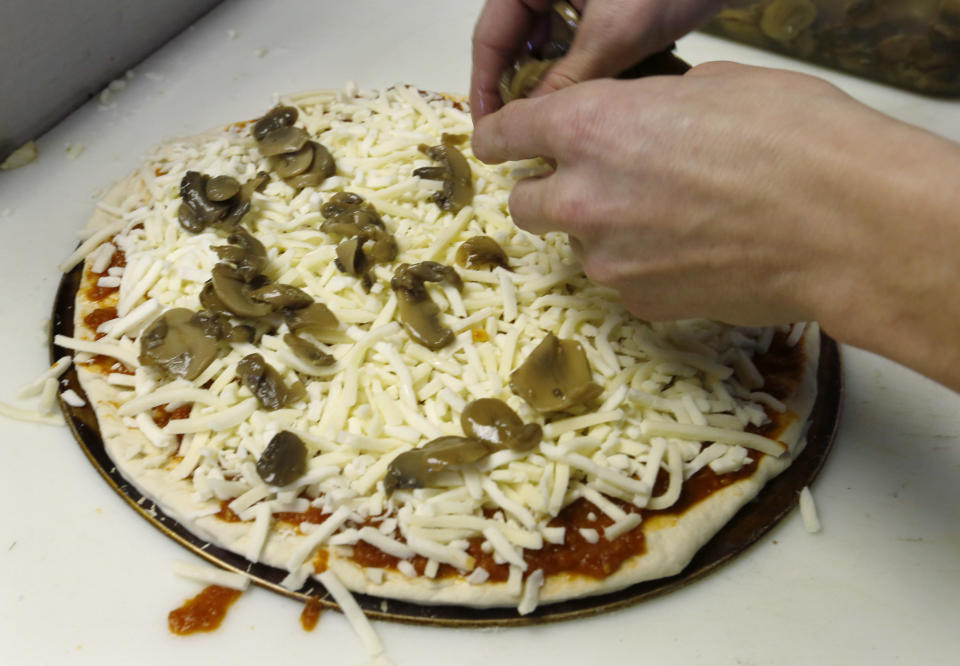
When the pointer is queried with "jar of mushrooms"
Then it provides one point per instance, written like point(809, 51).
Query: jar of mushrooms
point(914, 44)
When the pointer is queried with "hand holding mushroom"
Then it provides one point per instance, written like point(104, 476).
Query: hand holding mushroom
point(612, 36)
point(751, 196)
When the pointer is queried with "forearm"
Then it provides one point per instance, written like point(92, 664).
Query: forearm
point(897, 292)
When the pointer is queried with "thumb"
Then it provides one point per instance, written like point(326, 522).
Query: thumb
point(575, 67)
point(606, 43)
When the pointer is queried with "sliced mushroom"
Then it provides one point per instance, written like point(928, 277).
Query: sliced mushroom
point(245, 252)
point(264, 382)
point(177, 344)
point(357, 221)
point(784, 20)
point(307, 351)
point(431, 172)
point(189, 219)
point(350, 257)
point(365, 226)
point(481, 252)
point(420, 467)
point(240, 203)
point(411, 277)
point(283, 140)
point(209, 299)
point(214, 324)
point(315, 319)
point(320, 168)
point(291, 164)
point(383, 250)
point(255, 184)
point(422, 321)
point(282, 296)
point(275, 118)
point(528, 70)
point(418, 313)
point(564, 23)
point(457, 177)
point(234, 293)
point(221, 201)
point(242, 333)
point(523, 77)
point(299, 161)
point(494, 421)
point(221, 188)
point(232, 219)
point(197, 211)
point(284, 460)
point(340, 203)
point(347, 215)
point(555, 376)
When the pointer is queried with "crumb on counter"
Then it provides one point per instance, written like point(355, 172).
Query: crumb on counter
point(21, 157)
point(75, 150)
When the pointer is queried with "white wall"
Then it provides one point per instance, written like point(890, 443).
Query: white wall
point(55, 54)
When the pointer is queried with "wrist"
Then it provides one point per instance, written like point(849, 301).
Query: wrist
point(896, 272)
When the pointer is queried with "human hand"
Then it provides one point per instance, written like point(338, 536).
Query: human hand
point(750, 196)
point(613, 35)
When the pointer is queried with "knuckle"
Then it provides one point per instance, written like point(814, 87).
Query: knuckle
point(575, 126)
point(567, 208)
point(557, 78)
point(715, 67)
point(520, 209)
point(601, 270)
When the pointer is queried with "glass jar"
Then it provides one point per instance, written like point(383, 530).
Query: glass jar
point(914, 44)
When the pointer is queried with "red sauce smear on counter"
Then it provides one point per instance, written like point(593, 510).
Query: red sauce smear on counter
point(311, 614)
point(204, 612)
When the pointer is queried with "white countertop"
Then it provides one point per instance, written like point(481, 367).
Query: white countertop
point(85, 580)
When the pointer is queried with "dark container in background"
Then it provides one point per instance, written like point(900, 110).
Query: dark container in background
point(913, 44)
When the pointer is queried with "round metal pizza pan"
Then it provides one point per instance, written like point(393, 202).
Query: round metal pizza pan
point(774, 501)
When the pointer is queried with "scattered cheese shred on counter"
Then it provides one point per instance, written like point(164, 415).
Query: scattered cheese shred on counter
point(21, 157)
point(205, 573)
point(671, 389)
point(55, 371)
point(29, 415)
point(808, 511)
point(352, 611)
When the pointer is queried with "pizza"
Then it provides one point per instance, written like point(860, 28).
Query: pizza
point(317, 340)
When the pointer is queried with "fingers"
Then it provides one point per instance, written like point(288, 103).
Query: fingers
point(516, 132)
point(717, 68)
point(528, 204)
point(611, 37)
point(578, 250)
point(500, 31)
